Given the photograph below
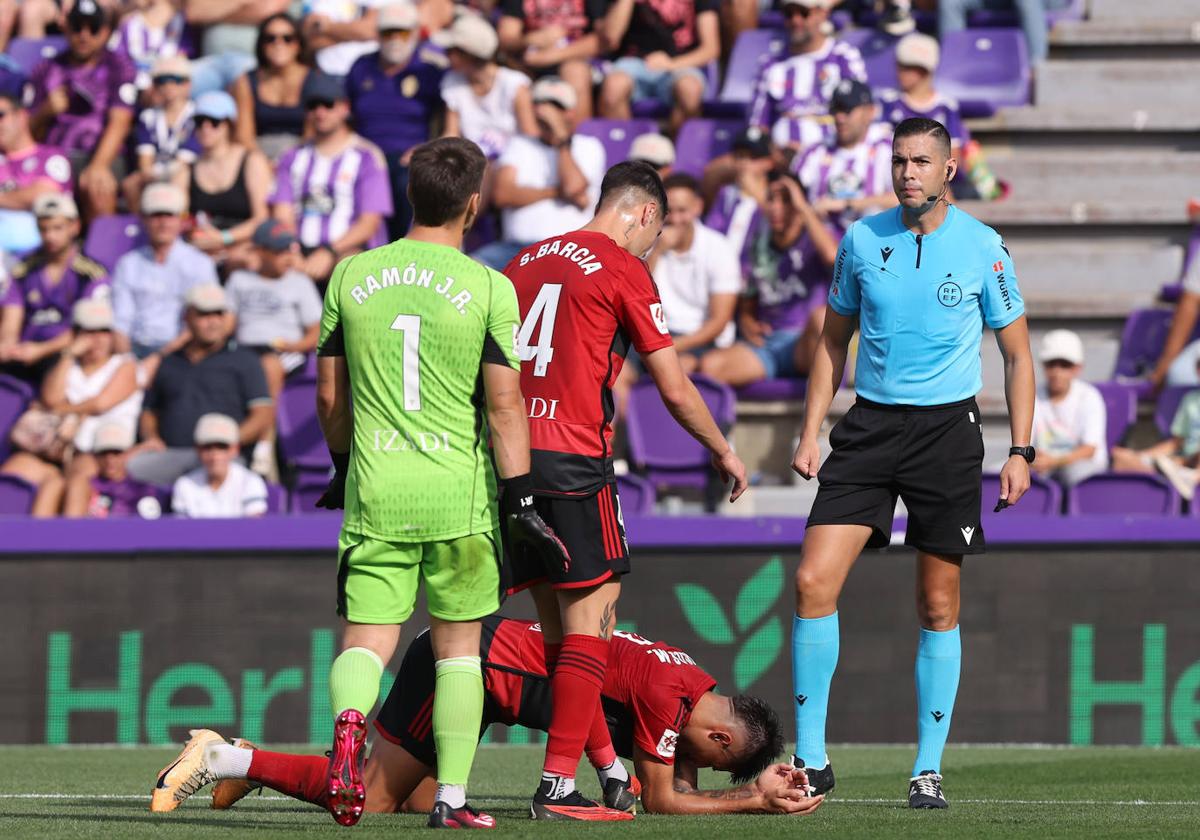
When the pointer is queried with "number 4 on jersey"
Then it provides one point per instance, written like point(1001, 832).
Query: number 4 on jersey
point(544, 309)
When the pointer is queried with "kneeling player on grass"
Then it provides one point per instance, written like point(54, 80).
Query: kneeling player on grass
point(660, 706)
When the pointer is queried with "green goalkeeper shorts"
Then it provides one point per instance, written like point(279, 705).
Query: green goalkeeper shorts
point(378, 580)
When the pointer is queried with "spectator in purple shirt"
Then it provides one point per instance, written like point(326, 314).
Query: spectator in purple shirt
point(738, 206)
point(164, 139)
point(111, 493)
point(27, 170)
point(36, 302)
point(332, 190)
point(84, 102)
point(787, 265)
point(150, 32)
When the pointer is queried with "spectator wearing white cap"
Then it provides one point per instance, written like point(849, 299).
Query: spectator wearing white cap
point(162, 136)
point(341, 32)
point(546, 185)
point(151, 281)
point(1069, 416)
point(110, 493)
point(220, 488)
point(27, 170)
point(485, 103)
point(207, 375)
point(37, 296)
point(550, 37)
point(656, 150)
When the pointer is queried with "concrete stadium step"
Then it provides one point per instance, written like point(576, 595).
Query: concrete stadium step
point(1143, 123)
point(1143, 9)
point(1126, 32)
point(1074, 174)
point(1032, 211)
point(1132, 85)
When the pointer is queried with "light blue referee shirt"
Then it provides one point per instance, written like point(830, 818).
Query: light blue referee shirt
point(922, 301)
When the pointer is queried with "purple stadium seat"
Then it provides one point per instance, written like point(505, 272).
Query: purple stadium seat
point(277, 499)
point(700, 141)
point(1166, 406)
point(1056, 10)
point(1043, 498)
point(28, 53)
point(663, 451)
point(1121, 401)
point(16, 496)
point(111, 237)
point(985, 69)
point(15, 395)
point(1142, 340)
point(771, 390)
point(1122, 494)
point(879, 54)
point(636, 494)
point(754, 50)
point(617, 135)
point(300, 440)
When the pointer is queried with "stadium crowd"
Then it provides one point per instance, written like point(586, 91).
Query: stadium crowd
point(178, 180)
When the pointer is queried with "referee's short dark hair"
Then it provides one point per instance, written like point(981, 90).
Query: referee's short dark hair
point(764, 738)
point(442, 176)
point(916, 126)
point(633, 177)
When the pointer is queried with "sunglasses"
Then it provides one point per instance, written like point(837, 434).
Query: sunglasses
point(93, 27)
point(281, 38)
point(206, 447)
point(162, 214)
point(314, 104)
point(210, 121)
point(171, 80)
point(102, 330)
point(402, 33)
point(797, 11)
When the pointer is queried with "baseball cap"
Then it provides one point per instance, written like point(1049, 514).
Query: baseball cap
point(655, 149)
point(850, 94)
point(112, 437)
point(273, 236)
point(555, 91)
point(754, 141)
point(216, 105)
point(323, 88)
point(92, 314)
point(161, 197)
point(918, 50)
point(1063, 345)
point(471, 34)
point(55, 206)
point(216, 428)
point(87, 11)
point(172, 65)
point(402, 15)
point(207, 298)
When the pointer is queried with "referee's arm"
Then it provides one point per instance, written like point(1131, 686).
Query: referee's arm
point(829, 365)
point(1019, 391)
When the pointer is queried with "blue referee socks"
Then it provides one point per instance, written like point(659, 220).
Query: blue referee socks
point(939, 659)
point(815, 644)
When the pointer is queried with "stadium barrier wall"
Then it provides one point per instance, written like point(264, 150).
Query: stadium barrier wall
point(1081, 631)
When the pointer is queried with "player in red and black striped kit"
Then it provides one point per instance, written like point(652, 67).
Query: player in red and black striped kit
point(661, 709)
point(586, 298)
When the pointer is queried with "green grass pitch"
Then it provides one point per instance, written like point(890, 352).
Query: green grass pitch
point(1003, 792)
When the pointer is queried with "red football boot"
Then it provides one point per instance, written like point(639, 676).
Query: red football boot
point(347, 793)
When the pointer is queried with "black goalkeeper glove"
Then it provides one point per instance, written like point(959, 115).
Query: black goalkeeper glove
point(526, 529)
point(334, 497)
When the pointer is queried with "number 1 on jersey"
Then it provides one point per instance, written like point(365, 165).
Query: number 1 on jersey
point(410, 325)
point(545, 309)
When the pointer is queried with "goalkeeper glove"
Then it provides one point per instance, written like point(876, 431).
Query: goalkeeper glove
point(526, 529)
point(334, 497)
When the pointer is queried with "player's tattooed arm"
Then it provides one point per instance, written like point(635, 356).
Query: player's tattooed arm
point(743, 792)
point(675, 790)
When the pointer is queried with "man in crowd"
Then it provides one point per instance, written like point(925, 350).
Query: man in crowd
point(84, 101)
point(27, 170)
point(787, 267)
point(738, 206)
point(663, 47)
point(220, 487)
point(656, 150)
point(333, 189)
point(37, 299)
point(1069, 417)
point(849, 176)
point(207, 375)
point(395, 96)
point(545, 185)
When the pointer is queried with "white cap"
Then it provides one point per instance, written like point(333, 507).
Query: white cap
point(55, 206)
point(1063, 345)
point(471, 34)
point(207, 298)
point(554, 90)
point(655, 149)
point(161, 197)
point(216, 428)
point(172, 65)
point(918, 50)
point(401, 15)
point(112, 437)
point(92, 314)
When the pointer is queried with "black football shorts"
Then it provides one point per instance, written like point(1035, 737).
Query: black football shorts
point(929, 456)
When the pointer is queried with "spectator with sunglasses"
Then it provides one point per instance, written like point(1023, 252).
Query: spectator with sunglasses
point(270, 98)
point(28, 170)
point(84, 102)
point(395, 95)
point(333, 190)
point(163, 137)
point(228, 185)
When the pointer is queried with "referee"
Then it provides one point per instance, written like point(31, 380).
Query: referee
point(919, 282)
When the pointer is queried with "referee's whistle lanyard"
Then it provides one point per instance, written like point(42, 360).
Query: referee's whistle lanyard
point(920, 239)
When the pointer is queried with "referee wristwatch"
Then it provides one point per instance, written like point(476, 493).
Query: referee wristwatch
point(1026, 452)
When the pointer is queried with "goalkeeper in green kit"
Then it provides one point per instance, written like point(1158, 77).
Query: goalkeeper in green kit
point(417, 368)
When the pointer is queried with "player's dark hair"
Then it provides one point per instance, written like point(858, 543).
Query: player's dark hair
point(682, 181)
point(917, 126)
point(764, 738)
point(635, 176)
point(442, 176)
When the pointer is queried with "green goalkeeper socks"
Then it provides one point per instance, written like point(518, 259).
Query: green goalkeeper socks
point(457, 714)
point(354, 681)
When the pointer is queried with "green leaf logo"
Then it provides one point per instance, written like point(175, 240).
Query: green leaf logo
point(704, 614)
point(757, 654)
point(758, 594)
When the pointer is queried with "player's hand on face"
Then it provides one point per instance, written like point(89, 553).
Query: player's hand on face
point(729, 466)
point(807, 459)
point(1014, 479)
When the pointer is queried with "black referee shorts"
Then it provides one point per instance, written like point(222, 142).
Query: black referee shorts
point(929, 456)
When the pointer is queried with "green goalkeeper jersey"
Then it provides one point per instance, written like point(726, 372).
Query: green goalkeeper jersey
point(415, 321)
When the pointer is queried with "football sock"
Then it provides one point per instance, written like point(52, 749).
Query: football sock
point(599, 746)
point(616, 770)
point(556, 787)
point(575, 686)
point(815, 643)
point(305, 777)
point(453, 795)
point(457, 717)
point(354, 680)
point(227, 761)
point(939, 658)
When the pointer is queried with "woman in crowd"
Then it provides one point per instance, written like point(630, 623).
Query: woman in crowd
point(270, 98)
